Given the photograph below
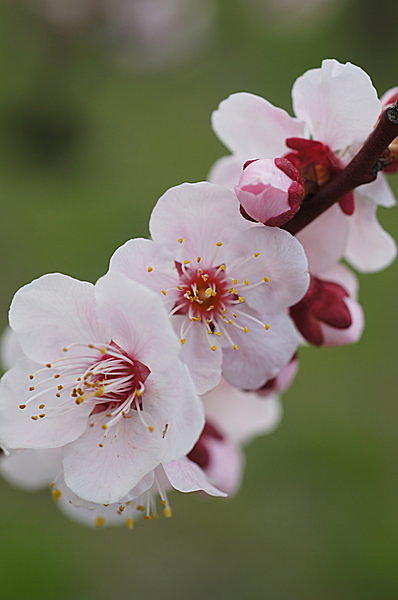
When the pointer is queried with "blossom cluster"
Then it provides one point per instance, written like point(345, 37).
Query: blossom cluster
point(155, 377)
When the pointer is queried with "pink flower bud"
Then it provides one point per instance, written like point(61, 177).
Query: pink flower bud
point(388, 100)
point(269, 191)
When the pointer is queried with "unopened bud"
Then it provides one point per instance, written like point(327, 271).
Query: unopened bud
point(388, 99)
point(269, 191)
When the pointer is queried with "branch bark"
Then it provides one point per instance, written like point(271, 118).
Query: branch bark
point(362, 169)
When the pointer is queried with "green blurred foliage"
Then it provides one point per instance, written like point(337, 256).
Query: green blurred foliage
point(87, 146)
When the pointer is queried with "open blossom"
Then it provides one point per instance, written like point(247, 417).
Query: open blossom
point(227, 284)
point(337, 108)
point(100, 380)
point(269, 191)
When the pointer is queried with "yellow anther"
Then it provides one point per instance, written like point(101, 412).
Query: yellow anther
point(22, 406)
point(186, 262)
point(235, 281)
point(148, 517)
point(213, 348)
point(164, 292)
point(208, 292)
point(104, 426)
point(246, 282)
point(198, 259)
point(121, 508)
point(183, 340)
point(218, 244)
point(167, 512)
point(241, 299)
point(103, 350)
point(222, 267)
point(267, 279)
point(100, 391)
point(34, 417)
point(31, 376)
point(32, 387)
point(267, 326)
point(130, 523)
point(140, 507)
point(99, 521)
point(256, 254)
point(151, 428)
point(48, 365)
point(180, 240)
point(150, 269)
point(235, 347)
point(100, 445)
point(42, 415)
point(52, 484)
point(230, 322)
point(234, 315)
point(155, 516)
point(138, 393)
point(60, 387)
point(56, 494)
point(57, 376)
point(246, 329)
point(205, 277)
point(218, 333)
point(195, 319)
point(65, 349)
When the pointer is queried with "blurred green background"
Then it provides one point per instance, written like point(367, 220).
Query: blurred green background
point(87, 146)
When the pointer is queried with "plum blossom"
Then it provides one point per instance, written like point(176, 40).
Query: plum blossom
point(227, 284)
point(336, 108)
point(100, 380)
point(269, 191)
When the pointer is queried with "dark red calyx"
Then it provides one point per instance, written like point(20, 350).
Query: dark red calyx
point(324, 303)
point(200, 453)
point(317, 164)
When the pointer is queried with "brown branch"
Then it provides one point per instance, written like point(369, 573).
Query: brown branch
point(363, 168)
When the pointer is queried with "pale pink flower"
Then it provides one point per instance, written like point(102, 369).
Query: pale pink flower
point(269, 191)
point(227, 284)
point(336, 107)
point(100, 379)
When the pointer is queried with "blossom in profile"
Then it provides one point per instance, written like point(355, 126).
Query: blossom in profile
point(227, 284)
point(269, 191)
point(101, 380)
point(336, 108)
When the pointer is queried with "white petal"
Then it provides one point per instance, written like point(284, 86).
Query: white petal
point(63, 422)
point(241, 415)
point(148, 263)
point(31, 469)
point(226, 171)
point(325, 239)
point(281, 259)
point(105, 474)
point(225, 466)
point(186, 476)
point(379, 192)
point(173, 404)
point(251, 126)
point(261, 354)
point(135, 318)
point(52, 312)
point(369, 247)
point(338, 102)
point(199, 215)
point(10, 348)
point(203, 363)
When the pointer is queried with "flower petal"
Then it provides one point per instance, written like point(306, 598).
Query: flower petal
point(378, 191)
point(52, 312)
point(339, 337)
point(106, 474)
point(338, 102)
point(186, 476)
point(369, 247)
point(226, 171)
point(251, 126)
point(226, 465)
point(31, 469)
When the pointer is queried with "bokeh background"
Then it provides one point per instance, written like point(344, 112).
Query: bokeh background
point(101, 110)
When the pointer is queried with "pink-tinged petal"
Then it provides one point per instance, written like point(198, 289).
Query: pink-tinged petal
point(186, 476)
point(389, 97)
point(343, 276)
point(173, 404)
point(338, 102)
point(203, 363)
point(325, 239)
point(261, 353)
point(226, 171)
point(106, 473)
point(31, 469)
point(134, 317)
point(379, 192)
point(281, 259)
point(226, 464)
point(241, 415)
point(369, 247)
point(52, 312)
point(91, 513)
point(350, 335)
point(62, 419)
point(251, 126)
point(10, 349)
point(192, 218)
point(148, 263)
